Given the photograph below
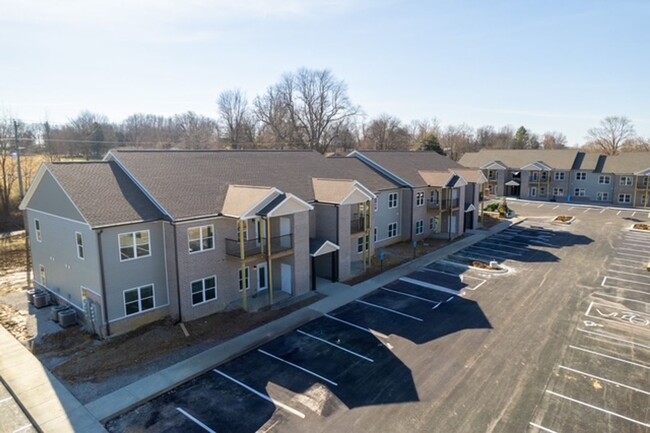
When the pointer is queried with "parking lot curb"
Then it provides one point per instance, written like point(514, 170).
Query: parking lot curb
point(145, 389)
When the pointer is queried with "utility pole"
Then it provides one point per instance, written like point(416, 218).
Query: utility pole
point(20, 175)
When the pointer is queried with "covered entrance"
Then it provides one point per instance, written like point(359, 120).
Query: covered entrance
point(324, 260)
point(469, 217)
point(512, 188)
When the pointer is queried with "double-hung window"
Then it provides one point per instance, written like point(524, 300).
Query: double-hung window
point(559, 175)
point(579, 192)
point(392, 200)
point(392, 230)
point(602, 196)
point(419, 227)
point(200, 238)
point(134, 245)
point(624, 198)
point(581, 175)
point(204, 290)
point(558, 192)
point(419, 199)
point(360, 245)
point(37, 230)
point(625, 181)
point(80, 244)
point(244, 281)
point(604, 179)
point(138, 300)
point(41, 269)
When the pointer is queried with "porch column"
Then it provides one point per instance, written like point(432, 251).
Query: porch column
point(242, 256)
point(268, 258)
point(366, 247)
point(371, 230)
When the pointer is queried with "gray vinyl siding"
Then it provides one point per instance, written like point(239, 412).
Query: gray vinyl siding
point(66, 273)
point(624, 189)
point(50, 198)
point(384, 216)
point(123, 275)
point(591, 187)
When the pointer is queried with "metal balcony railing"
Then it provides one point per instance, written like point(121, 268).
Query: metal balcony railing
point(258, 246)
point(281, 243)
point(451, 203)
point(357, 225)
point(433, 204)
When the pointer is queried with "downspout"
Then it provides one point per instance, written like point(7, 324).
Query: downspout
point(102, 281)
point(268, 259)
point(178, 279)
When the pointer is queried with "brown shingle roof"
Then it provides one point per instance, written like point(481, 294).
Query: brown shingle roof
point(103, 193)
point(517, 158)
point(190, 184)
point(406, 165)
point(627, 163)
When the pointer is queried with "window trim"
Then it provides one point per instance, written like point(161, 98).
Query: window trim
point(140, 310)
point(390, 200)
point(579, 192)
point(396, 230)
point(247, 279)
point(201, 239)
point(37, 230)
point(604, 177)
point(624, 195)
point(628, 181)
point(421, 229)
point(581, 175)
point(556, 175)
point(419, 199)
point(604, 196)
point(558, 190)
point(135, 250)
point(80, 247)
point(204, 301)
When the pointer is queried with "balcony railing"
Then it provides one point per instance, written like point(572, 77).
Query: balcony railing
point(258, 246)
point(452, 203)
point(357, 225)
point(433, 204)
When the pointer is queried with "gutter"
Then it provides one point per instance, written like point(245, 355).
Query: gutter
point(102, 279)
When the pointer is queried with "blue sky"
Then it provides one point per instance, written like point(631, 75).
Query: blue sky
point(547, 65)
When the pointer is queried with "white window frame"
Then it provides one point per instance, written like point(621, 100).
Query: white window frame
point(393, 200)
point(376, 203)
point(626, 198)
point(558, 192)
point(433, 223)
point(41, 270)
point(375, 231)
point(390, 229)
point(581, 175)
point(140, 299)
point(134, 246)
point(419, 198)
point(360, 243)
point(202, 237)
point(602, 196)
point(559, 175)
point(37, 230)
point(579, 192)
point(203, 290)
point(533, 191)
point(80, 245)
point(248, 278)
point(419, 227)
point(542, 191)
point(604, 179)
point(625, 181)
point(534, 176)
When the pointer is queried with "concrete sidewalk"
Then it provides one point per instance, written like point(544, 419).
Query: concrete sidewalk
point(52, 408)
point(133, 395)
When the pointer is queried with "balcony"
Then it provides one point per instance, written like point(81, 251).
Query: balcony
point(357, 225)
point(258, 246)
point(453, 203)
point(433, 204)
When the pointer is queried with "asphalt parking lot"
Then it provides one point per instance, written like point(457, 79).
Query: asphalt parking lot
point(557, 344)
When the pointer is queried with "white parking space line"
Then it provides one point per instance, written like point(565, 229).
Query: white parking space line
point(537, 426)
point(474, 247)
point(194, 420)
point(604, 209)
point(633, 244)
point(540, 206)
point(270, 355)
point(571, 208)
point(409, 295)
point(390, 310)
point(600, 409)
point(23, 428)
point(322, 340)
point(629, 273)
point(614, 337)
point(556, 207)
point(504, 244)
point(586, 210)
point(604, 380)
point(636, 364)
point(4, 400)
point(625, 280)
point(362, 328)
point(620, 298)
point(633, 249)
point(621, 265)
point(627, 260)
point(525, 204)
point(628, 255)
point(633, 213)
point(431, 286)
point(618, 213)
point(264, 396)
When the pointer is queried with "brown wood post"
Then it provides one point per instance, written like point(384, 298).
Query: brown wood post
point(242, 256)
point(269, 267)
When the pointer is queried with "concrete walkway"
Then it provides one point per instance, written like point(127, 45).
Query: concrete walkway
point(52, 408)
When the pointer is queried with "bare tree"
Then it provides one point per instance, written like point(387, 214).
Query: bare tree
point(612, 134)
point(554, 140)
point(308, 109)
point(456, 140)
point(386, 133)
point(196, 132)
point(236, 119)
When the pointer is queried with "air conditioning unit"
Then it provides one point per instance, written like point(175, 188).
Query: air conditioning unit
point(67, 317)
point(41, 299)
point(30, 295)
point(54, 311)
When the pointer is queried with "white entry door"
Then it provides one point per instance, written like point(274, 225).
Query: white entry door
point(262, 277)
point(287, 277)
